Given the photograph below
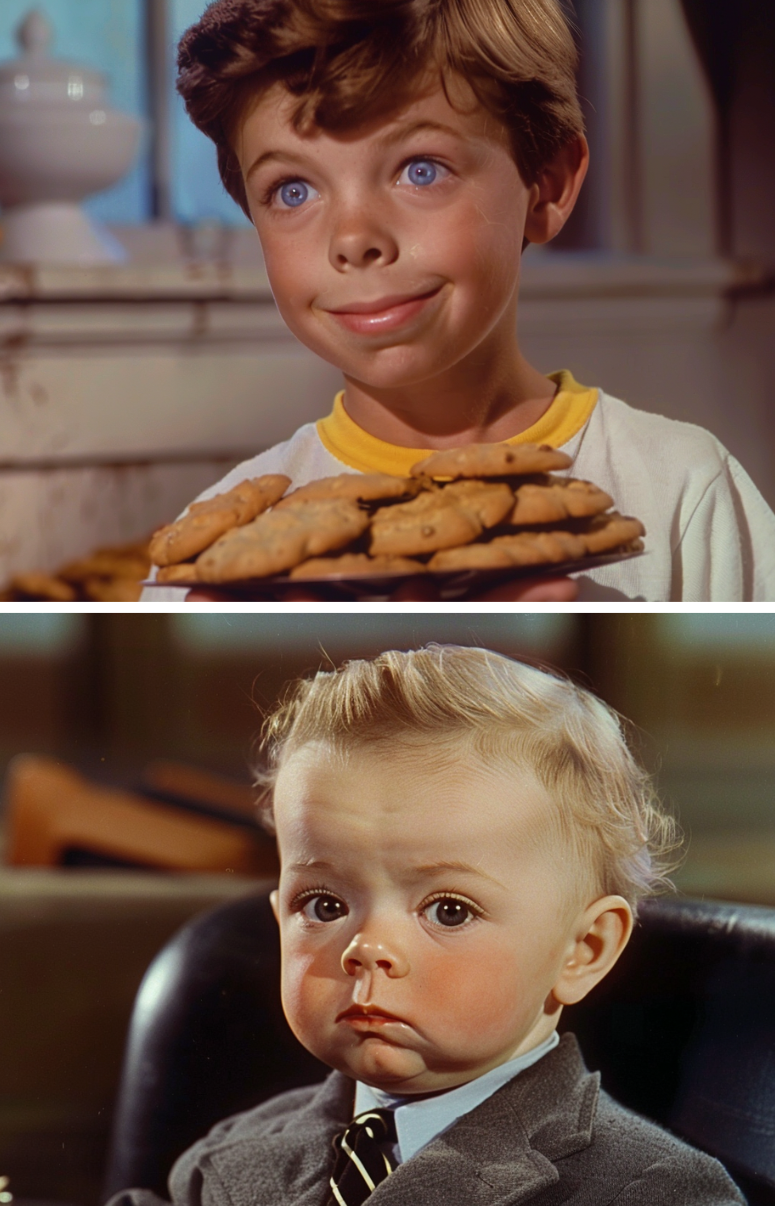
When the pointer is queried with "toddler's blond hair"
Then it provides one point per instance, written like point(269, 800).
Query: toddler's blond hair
point(503, 712)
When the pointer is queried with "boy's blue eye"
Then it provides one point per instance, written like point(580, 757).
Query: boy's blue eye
point(294, 193)
point(422, 171)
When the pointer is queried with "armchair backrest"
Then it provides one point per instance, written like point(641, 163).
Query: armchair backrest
point(207, 1038)
point(682, 1030)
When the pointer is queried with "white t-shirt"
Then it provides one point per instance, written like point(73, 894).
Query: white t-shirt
point(710, 536)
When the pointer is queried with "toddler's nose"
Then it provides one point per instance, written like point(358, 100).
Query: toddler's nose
point(365, 954)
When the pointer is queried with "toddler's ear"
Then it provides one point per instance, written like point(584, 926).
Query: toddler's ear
point(601, 934)
point(274, 900)
point(554, 194)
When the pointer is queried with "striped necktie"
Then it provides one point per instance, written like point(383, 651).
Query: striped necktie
point(360, 1161)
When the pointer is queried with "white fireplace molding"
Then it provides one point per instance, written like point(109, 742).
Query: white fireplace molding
point(166, 362)
point(48, 309)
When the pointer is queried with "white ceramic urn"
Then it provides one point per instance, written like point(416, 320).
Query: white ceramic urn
point(59, 142)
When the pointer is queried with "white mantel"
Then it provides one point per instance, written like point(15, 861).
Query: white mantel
point(175, 363)
point(155, 363)
point(124, 390)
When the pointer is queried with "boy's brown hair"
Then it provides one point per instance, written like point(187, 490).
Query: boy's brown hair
point(342, 58)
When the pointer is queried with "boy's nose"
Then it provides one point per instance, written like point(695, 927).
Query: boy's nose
point(358, 242)
point(365, 954)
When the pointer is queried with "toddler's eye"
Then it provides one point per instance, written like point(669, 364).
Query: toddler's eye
point(324, 908)
point(293, 193)
point(449, 912)
point(422, 171)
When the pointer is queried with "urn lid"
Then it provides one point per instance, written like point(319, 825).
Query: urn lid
point(35, 79)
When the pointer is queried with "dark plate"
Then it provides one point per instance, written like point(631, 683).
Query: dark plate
point(377, 588)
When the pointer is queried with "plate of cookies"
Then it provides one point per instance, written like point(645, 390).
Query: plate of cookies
point(467, 516)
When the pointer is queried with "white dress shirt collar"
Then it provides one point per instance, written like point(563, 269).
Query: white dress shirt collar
point(417, 1122)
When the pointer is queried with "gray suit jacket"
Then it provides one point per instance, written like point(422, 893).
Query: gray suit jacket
point(549, 1137)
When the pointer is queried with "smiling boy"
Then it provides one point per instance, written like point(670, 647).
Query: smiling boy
point(463, 840)
point(396, 158)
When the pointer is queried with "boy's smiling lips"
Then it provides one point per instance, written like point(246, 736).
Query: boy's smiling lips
point(386, 314)
point(384, 303)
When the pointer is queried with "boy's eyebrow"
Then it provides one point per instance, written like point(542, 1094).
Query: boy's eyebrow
point(269, 156)
point(386, 140)
point(414, 127)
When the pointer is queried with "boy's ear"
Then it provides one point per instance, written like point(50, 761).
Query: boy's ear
point(556, 191)
point(602, 932)
point(274, 900)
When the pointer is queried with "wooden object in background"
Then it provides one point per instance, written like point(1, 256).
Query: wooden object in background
point(56, 816)
point(187, 782)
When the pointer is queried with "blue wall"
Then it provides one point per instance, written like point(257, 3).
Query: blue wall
point(108, 35)
point(197, 192)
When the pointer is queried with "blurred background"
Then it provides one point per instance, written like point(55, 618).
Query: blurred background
point(128, 385)
point(126, 745)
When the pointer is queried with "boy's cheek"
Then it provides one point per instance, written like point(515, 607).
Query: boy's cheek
point(290, 267)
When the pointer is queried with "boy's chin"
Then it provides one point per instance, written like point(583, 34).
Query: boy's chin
point(393, 365)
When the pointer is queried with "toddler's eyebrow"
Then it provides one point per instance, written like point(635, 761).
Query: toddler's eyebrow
point(441, 865)
point(397, 134)
point(438, 867)
point(311, 864)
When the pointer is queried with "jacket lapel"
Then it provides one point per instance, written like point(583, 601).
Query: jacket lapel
point(451, 1170)
point(502, 1153)
point(292, 1166)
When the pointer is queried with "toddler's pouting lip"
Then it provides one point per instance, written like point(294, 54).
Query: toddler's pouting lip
point(365, 1017)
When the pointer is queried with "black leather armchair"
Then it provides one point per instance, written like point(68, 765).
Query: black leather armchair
point(683, 1030)
point(207, 1038)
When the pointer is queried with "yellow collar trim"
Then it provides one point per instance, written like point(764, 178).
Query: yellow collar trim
point(349, 443)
